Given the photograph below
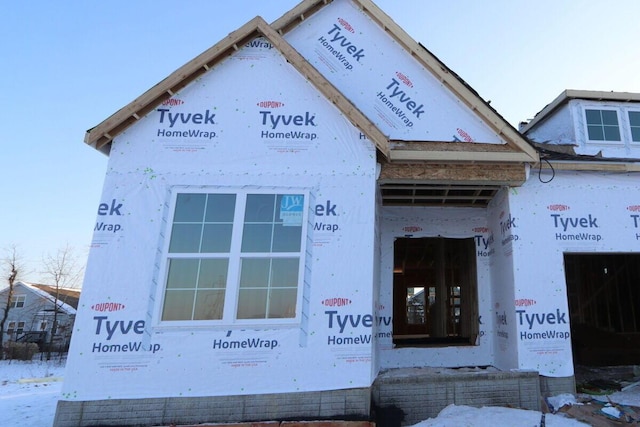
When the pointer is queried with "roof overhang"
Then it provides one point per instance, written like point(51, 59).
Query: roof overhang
point(569, 94)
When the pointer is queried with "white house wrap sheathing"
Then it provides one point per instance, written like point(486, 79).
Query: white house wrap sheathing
point(435, 222)
point(387, 84)
point(572, 213)
point(251, 124)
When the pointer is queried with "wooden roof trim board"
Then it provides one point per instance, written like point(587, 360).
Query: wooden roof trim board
point(591, 166)
point(496, 122)
point(102, 135)
point(459, 156)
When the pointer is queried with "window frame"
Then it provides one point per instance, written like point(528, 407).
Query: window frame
point(601, 108)
point(235, 256)
point(17, 301)
point(630, 127)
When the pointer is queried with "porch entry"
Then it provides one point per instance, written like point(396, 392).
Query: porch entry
point(434, 292)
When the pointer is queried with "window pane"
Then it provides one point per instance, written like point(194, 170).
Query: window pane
point(254, 272)
point(596, 133)
point(220, 208)
point(209, 305)
point(611, 133)
point(256, 238)
point(178, 305)
point(185, 238)
point(593, 117)
point(259, 208)
point(634, 118)
point(213, 273)
point(282, 303)
point(183, 273)
point(252, 304)
point(286, 238)
point(284, 272)
point(609, 118)
point(635, 134)
point(216, 238)
point(189, 208)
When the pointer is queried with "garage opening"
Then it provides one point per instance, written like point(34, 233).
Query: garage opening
point(604, 307)
point(434, 292)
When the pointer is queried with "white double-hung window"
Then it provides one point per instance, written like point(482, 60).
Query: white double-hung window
point(235, 257)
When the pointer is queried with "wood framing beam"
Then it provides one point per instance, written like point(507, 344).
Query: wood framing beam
point(459, 156)
point(298, 14)
point(441, 173)
point(591, 166)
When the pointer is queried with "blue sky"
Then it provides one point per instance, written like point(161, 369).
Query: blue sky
point(66, 66)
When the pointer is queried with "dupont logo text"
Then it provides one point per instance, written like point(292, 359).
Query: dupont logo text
point(107, 307)
point(336, 302)
point(411, 229)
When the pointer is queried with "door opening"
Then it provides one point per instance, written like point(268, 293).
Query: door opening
point(434, 292)
point(603, 291)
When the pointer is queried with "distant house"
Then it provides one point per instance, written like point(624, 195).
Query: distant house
point(31, 314)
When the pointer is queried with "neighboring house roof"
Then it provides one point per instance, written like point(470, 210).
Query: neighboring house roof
point(517, 149)
point(569, 94)
point(65, 295)
point(67, 298)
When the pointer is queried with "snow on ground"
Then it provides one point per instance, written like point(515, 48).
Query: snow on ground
point(29, 392)
point(493, 416)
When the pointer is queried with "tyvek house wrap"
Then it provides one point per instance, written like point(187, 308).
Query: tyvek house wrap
point(572, 213)
point(387, 84)
point(420, 222)
point(252, 123)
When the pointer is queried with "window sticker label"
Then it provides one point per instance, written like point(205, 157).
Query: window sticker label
point(291, 210)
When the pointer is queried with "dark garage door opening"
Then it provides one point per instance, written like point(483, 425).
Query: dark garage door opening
point(604, 306)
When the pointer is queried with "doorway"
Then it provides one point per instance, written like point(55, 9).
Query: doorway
point(434, 292)
point(603, 291)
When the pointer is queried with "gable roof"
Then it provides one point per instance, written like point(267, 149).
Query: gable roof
point(517, 149)
point(101, 136)
point(67, 298)
point(65, 295)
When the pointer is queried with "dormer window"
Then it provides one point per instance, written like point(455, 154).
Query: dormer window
point(634, 123)
point(602, 125)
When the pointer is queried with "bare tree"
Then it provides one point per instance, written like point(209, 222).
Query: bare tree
point(62, 271)
point(10, 269)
